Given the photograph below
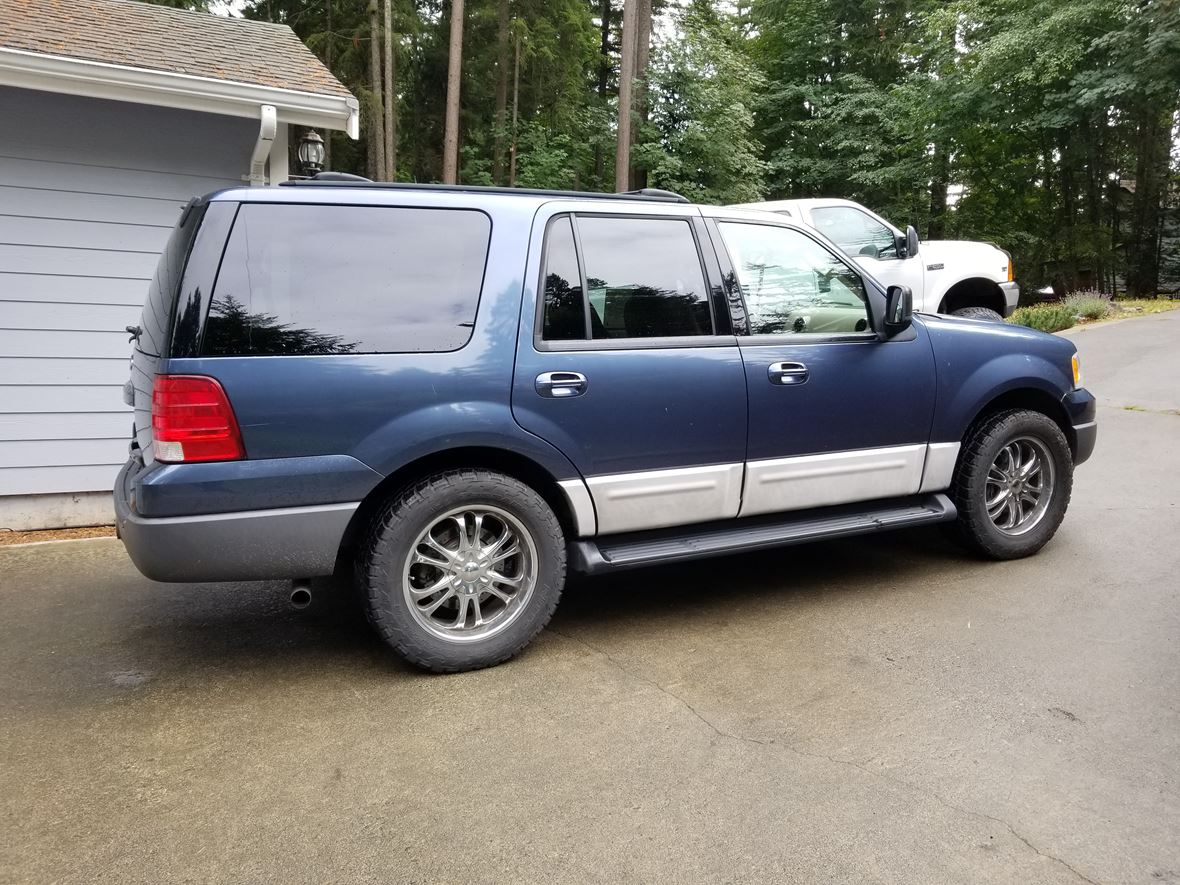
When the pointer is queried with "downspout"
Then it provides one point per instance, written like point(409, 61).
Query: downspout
point(266, 136)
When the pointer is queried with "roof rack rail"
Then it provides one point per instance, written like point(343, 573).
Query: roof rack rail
point(343, 179)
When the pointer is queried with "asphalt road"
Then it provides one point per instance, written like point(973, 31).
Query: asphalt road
point(880, 710)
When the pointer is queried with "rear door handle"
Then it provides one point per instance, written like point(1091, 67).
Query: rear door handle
point(787, 373)
point(559, 385)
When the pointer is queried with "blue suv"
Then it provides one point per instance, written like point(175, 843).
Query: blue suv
point(453, 395)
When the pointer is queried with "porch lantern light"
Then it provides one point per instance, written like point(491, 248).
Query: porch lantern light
point(311, 153)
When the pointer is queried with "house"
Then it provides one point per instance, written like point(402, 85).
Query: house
point(115, 114)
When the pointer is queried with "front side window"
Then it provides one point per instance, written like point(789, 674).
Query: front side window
point(643, 279)
point(792, 284)
point(300, 279)
point(855, 232)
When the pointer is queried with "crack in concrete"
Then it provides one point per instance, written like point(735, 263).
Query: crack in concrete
point(833, 760)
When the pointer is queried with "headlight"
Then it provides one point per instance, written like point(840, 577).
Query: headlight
point(1077, 371)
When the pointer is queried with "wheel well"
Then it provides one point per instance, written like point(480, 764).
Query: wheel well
point(1035, 401)
point(975, 292)
point(517, 466)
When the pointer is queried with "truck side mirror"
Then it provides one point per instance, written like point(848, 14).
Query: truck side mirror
point(911, 242)
point(899, 310)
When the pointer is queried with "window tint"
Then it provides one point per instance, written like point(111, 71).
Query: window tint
point(644, 278)
point(792, 284)
point(565, 309)
point(347, 279)
point(855, 232)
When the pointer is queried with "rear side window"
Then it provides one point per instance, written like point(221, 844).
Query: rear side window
point(299, 279)
point(643, 279)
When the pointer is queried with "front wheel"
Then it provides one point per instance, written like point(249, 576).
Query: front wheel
point(462, 570)
point(978, 313)
point(1012, 484)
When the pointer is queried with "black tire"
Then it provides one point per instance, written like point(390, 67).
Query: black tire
point(973, 527)
point(383, 557)
point(978, 313)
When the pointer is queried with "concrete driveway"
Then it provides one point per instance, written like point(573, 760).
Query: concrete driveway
point(878, 709)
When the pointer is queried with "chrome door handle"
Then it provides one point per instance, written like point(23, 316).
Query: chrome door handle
point(787, 373)
point(558, 385)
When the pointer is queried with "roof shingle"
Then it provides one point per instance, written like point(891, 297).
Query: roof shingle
point(141, 35)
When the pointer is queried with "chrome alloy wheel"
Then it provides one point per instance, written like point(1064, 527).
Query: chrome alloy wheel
point(1019, 485)
point(470, 573)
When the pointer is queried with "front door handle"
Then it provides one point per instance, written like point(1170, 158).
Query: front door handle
point(787, 373)
point(559, 385)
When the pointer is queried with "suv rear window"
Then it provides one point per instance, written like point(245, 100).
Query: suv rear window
point(301, 279)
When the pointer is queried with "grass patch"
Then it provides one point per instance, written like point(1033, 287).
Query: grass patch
point(1143, 306)
point(1045, 317)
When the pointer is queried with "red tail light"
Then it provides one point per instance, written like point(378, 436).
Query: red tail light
point(192, 420)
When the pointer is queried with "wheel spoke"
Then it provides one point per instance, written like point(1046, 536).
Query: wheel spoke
point(436, 545)
point(498, 578)
point(476, 610)
point(432, 607)
point(507, 553)
point(421, 558)
point(438, 585)
point(1012, 512)
point(498, 593)
point(461, 618)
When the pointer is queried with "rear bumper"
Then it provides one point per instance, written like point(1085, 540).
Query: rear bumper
point(252, 545)
point(1011, 297)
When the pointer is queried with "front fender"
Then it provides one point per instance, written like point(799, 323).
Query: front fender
point(979, 362)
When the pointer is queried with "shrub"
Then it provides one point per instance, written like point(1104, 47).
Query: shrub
point(1089, 304)
point(1046, 317)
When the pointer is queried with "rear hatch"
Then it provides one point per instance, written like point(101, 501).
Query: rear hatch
point(152, 337)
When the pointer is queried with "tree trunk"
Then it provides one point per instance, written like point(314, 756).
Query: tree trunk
point(603, 78)
point(450, 173)
point(642, 59)
point(376, 125)
point(1151, 168)
point(626, 76)
point(328, 62)
point(515, 102)
point(502, 51)
point(939, 184)
point(390, 100)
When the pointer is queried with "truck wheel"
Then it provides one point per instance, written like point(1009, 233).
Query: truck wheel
point(978, 313)
point(462, 570)
point(1012, 484)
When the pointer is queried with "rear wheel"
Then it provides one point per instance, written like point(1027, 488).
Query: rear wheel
point(978, 313)
point(462, 570)
point(1012, 484)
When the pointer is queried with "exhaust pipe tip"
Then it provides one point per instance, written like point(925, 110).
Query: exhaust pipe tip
point(301, 596)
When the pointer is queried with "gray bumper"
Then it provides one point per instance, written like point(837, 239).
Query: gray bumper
point(1011, 297)
point(253, 545)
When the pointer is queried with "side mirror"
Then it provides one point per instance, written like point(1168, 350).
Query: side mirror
point(899, 310)
point(911, 242)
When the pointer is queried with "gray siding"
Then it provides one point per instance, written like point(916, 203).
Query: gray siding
point(89, 191)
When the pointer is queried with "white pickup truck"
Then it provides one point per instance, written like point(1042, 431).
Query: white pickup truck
point(958, 277)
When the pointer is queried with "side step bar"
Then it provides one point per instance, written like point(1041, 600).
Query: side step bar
point(613, 552)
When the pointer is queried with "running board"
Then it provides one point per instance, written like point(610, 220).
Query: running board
point(613, 552)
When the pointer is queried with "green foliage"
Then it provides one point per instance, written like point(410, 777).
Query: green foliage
point(700, 140)
point(1089, 305)
point(1046, 317)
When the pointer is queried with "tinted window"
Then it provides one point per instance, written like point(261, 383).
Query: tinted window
point(644, 278)
point(565, 309)
point(792, 284)
point(855, 232)
point(162, 293)
point(347, 279)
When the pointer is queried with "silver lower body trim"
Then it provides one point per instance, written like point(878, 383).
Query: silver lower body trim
point(940, 466)
point(581, 506)
point(658, 498)
point(779, 484)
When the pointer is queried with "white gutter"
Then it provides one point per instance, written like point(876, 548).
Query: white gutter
point(266, 138)
point(73, 76)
